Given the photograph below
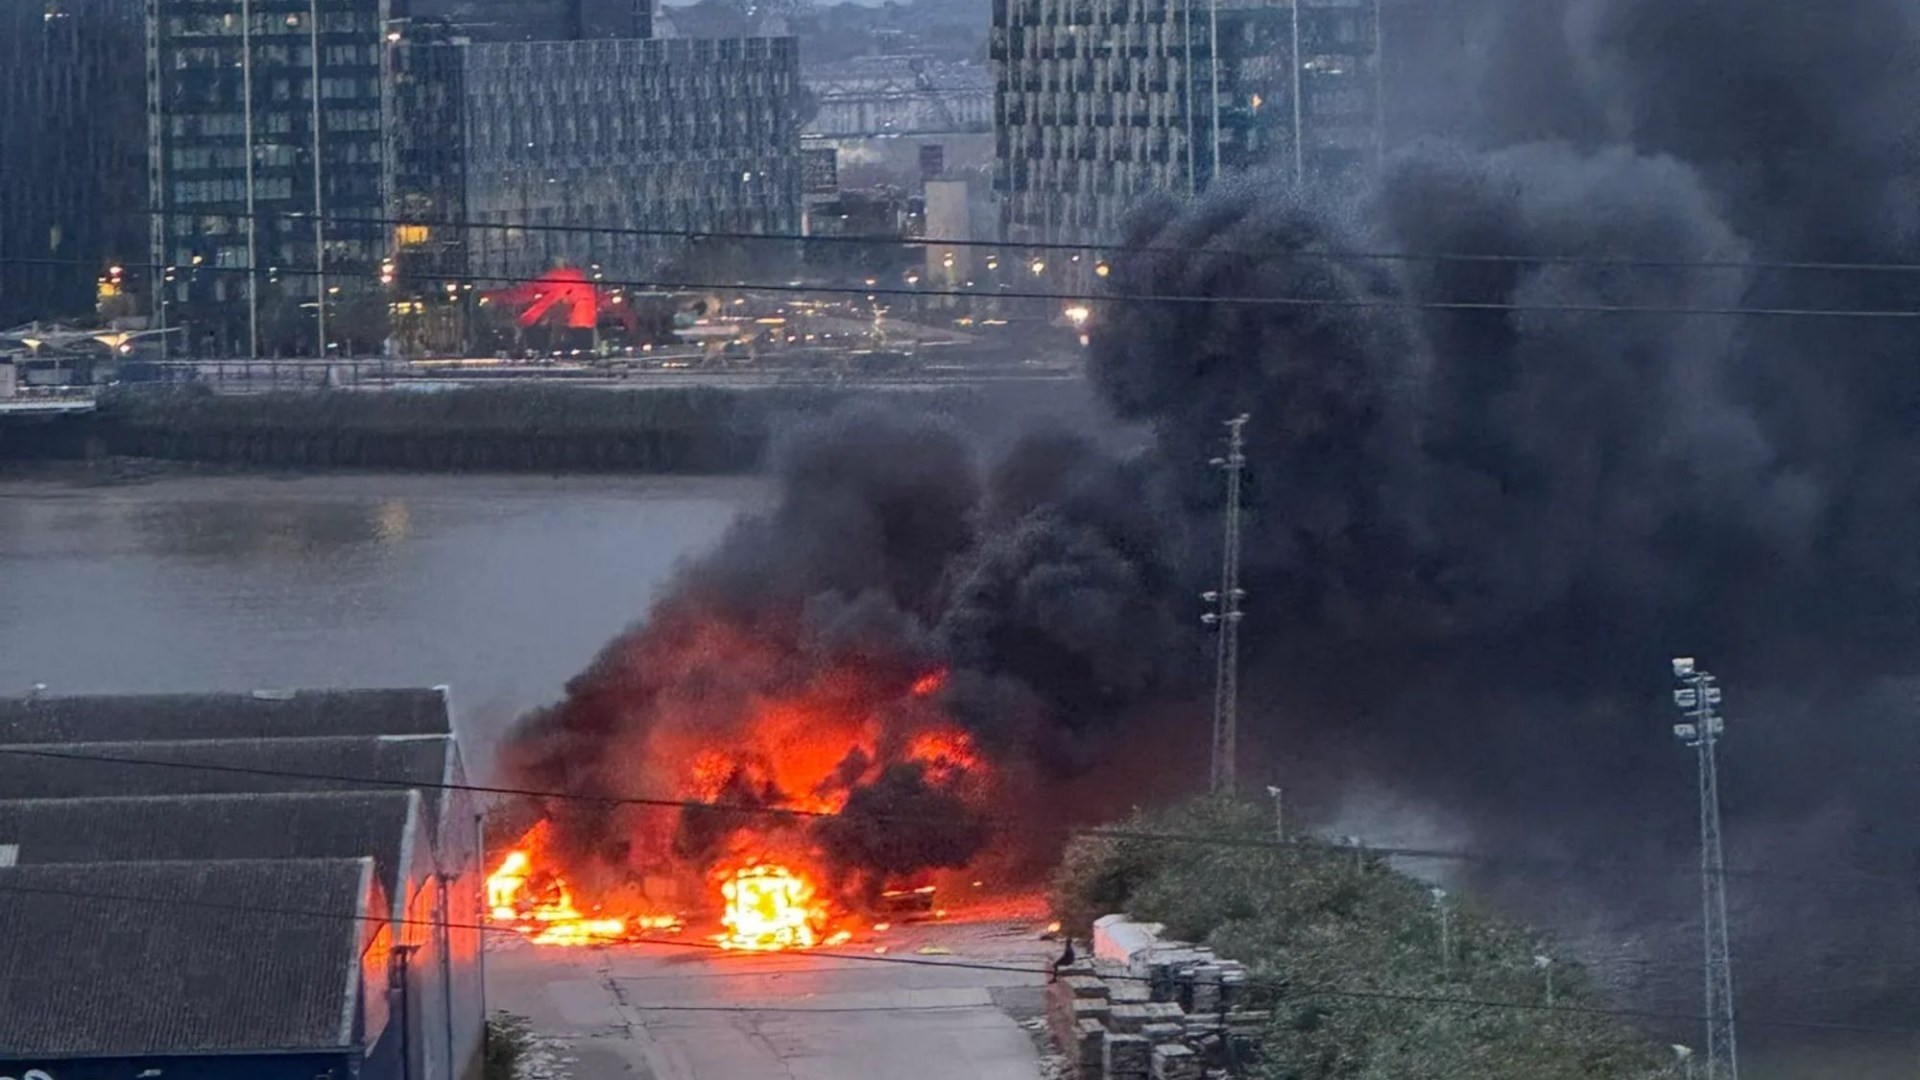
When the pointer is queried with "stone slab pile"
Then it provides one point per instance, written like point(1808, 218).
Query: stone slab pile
point(1146, 1008)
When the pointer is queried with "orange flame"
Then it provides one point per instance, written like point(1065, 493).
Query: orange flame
point(770, 908)
point(548, 916)
point(929, 684)
point(946, 753)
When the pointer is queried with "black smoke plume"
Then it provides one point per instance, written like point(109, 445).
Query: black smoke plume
point(1489, 495)
point(895, 585)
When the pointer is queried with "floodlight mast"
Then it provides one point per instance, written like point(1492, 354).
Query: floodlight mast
point(1225, 617)
point(1697, 696)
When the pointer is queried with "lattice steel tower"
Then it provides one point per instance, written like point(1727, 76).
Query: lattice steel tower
point(1225, 616)
point(1696, 697)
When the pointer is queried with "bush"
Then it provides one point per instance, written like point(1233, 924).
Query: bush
point(1349, 950)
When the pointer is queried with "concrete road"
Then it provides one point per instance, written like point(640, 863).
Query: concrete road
point(677, 1013)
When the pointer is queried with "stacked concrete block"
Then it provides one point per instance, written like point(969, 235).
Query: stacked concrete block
point(1171, 1061)
point(1077, 1008)
point(1127, 1057)
point(1148, 1009)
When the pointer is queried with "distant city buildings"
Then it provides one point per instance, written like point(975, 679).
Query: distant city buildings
point(603, 153)
point(1101, 102)
point(899, 95)
point(466, 143)
point(72, 153)
point(428, 148)
point(253, 130)
point(541, 20)
point(434, 149)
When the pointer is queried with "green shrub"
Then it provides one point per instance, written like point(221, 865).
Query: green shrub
point(1347, 951)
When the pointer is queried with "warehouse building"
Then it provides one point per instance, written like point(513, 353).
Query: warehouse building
point(389, 826)
point(260, 714)
point(232, 778)
point(263, 970)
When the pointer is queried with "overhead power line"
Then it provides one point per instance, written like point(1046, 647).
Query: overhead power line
point(1318, 255)
point(1282, 987)
point(874, 291)
point(1012, 825)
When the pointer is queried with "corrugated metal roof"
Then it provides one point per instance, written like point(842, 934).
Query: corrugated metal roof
point(265, 713)
point(176, 828)
point(349, 763)
point(116, 959)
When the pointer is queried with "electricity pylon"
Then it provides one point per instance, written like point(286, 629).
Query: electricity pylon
point(1696, 697)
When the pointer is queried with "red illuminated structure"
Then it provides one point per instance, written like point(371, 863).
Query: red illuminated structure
point(566, 297)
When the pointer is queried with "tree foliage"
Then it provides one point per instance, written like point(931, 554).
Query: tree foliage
point(1351, 950)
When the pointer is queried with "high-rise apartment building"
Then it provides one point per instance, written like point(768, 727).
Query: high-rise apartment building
point(72, 153)
point(659, 138)
point(263, 114)
point(1101, 102)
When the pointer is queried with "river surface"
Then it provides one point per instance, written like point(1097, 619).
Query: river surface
point(499, 587)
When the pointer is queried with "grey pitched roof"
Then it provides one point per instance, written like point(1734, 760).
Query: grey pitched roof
point(339, 763)
point(152, 717)
point(124, 958)
point(175, 828)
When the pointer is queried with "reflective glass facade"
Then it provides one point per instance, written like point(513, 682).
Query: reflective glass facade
point(1100, 102)
point(222, 91)
point(72, 153)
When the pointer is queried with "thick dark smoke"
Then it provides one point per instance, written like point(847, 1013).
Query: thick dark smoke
point(1477, 532)
point(1489, 495)
point(895, 584)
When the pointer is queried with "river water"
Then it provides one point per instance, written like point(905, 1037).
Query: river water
point(500, 587)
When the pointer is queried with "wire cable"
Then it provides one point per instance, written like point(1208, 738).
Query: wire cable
point(1328, 255)
point(1013, 825)
point(875, 291)
point(1281, 987)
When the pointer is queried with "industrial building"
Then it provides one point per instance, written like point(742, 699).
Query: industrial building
point(122, 970)
point(73, 143)
point(254, 128)
point(1099, 103)
point(257, 786)
point(678, 136)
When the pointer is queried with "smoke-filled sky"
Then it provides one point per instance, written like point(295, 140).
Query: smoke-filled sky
point(1475, 536)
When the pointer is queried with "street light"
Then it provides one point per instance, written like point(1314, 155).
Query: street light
point(1545, 964)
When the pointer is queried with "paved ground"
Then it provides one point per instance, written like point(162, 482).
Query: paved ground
point(667, 1013)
